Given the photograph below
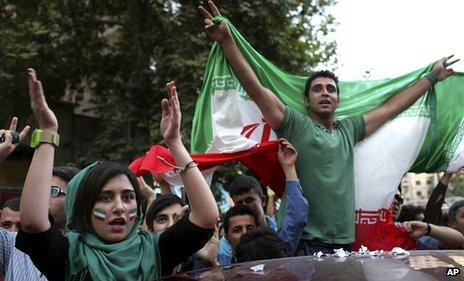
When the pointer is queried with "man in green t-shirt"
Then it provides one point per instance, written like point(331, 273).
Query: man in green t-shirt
point(325, 146)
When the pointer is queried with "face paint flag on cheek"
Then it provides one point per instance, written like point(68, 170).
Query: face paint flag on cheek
point(132, 214)
point(99, 214)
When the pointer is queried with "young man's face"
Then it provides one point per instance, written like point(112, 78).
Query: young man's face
point(252, 200)
point(9, 219)
point(322, 98)
point(458, 222)
point(167, 217)
point(239, 225)
point(56, 204)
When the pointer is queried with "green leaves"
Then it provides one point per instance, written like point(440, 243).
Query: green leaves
point(118, 55)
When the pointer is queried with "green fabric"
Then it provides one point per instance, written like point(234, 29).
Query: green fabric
point(135, 258)
point(326, 172)
point(357, 98)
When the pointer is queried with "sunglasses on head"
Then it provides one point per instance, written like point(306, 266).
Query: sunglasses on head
point(56, 191)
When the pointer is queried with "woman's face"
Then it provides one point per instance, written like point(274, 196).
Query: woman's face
point(115, 210)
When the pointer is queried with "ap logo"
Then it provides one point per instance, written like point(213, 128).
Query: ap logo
point(452, 271)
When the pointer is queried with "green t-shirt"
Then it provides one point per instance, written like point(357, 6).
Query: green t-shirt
point(325, 169)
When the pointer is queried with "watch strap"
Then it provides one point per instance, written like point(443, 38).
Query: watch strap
point(39, 136)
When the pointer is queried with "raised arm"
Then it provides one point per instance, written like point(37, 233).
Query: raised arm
point(36, 191)
point(9, 139)
point(271, 107)
point(204, 211)
point(404, 99)
point(296, 206)
point(432, 212)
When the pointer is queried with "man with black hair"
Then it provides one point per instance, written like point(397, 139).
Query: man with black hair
point(9, 214)
point(248, 191)
point(260, 243)
point(326, 164)
point(294, 211)
point(16, 265)
point(166, 210)
point(435, 237)
point(61, 176)
point(236, 222)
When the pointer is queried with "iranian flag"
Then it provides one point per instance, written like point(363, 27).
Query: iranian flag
point(428, 137)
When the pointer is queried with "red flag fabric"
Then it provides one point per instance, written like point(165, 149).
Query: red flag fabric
point(374, 229)
point(377, 230)
point(261, 159)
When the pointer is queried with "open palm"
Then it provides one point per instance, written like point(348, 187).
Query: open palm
point(170, 121)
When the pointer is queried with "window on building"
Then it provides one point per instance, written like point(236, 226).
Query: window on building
point(419, 193)
point(417, 182)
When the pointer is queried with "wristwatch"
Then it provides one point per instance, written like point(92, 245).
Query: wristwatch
point(39, 137)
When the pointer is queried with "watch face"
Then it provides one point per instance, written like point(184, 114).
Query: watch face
point(35, 138)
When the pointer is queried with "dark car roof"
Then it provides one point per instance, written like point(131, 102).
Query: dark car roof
point(419, 265)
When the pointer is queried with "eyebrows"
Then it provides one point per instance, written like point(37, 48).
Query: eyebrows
point(162, 213)
point(110, 191)
point(320, 85)
point(239, 226)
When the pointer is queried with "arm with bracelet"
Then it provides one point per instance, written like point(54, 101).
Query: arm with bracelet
point(405, 98)
point(35, 196)
point(447, 237)
point(204, 211)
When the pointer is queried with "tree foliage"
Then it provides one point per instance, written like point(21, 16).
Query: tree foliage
point(121, 54)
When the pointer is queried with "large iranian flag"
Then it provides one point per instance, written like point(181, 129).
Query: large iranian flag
point(227, 125)
point(425, 138)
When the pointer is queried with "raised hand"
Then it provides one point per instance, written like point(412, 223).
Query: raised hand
point(145, 189)
point(287, 154)
point(9, 139)
point(44, 115)
point(170, 121)
point(218, 31)
point(441, 69)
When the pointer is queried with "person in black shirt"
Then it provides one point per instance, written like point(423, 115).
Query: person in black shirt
point(103, 210)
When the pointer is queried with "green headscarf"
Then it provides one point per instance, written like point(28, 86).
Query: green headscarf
point(135, 258)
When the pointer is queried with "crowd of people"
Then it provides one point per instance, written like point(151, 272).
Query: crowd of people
point(104, 223)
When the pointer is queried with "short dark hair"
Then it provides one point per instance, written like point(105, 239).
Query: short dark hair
point(410, 212)
point(260, 243)
point(90, 188)
point(453, 209)
point(238, 210)
point(158, 205)
point(317, 74)
point(12, 203)
point(242, 184)
point(66, 173)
